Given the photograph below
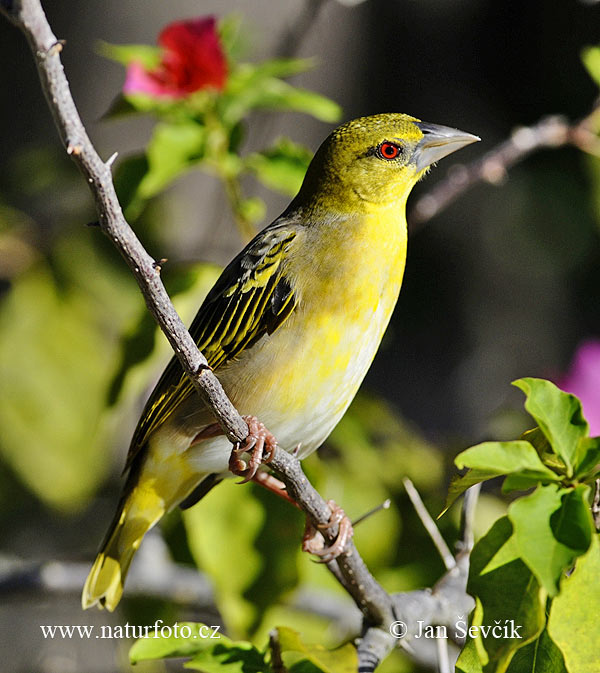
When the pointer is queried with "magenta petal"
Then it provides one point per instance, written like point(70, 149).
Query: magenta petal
point(139, 80)
point(583, 380)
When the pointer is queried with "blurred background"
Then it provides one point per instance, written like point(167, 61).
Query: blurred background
point(503, 283)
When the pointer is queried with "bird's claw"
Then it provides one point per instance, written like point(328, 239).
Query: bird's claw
point(314, 543)
point(261, 445)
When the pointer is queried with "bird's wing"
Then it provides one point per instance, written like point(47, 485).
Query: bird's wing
point(251, 298)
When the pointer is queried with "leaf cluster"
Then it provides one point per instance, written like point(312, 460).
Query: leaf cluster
point(286, 651)
point(529, 569)
point(206, 129)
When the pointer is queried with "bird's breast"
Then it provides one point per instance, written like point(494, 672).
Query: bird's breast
point(301, 379)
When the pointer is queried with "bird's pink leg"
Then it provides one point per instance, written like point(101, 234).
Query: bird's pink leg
point(313, 541)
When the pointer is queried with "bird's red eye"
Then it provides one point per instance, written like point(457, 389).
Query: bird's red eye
point(388, 150)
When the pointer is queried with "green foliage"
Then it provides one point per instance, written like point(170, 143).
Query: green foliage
point(218, 654)
point(591, 59)
point(204, 129)
point(54, 346)
point(552, 527)
point(281, 167)
point(518, 570)
point(506, 593)
point(573, 620)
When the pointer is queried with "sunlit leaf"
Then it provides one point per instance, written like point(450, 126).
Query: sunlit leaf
point(147, 55)
point(236, 657)
point(281, 167)
point(559, 416)
point(468, 661)
point(591, 59)
point(551, 528)
point(540, 656)
point(170, 152)
point(222, 530)
point(185, 640)
point(296, 653)
point(249, 89)
point(53, 371)
point(590, 460)
point(573, 620)
point(504, 458)
point(494, 459)
point(509, 595)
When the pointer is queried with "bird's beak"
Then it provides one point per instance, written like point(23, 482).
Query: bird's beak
point(437, 143)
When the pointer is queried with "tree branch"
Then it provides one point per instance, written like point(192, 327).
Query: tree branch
point(29, 17)
point(550, 132)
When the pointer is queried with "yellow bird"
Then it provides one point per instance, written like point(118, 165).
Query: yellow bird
point(290, 327)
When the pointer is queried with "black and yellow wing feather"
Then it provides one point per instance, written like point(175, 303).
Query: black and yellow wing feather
point(252, 297)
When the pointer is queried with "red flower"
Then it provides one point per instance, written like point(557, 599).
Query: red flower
point(192, 59)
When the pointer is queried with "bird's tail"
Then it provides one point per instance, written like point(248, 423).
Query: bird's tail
point(138, 511)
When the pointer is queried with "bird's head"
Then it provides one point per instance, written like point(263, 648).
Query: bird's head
point(377, 160)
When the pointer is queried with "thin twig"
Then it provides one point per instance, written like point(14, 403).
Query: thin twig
point(429, 523)
point(384, 505)
point(276, 661)
point(467, 517)
point(443, 656)
point(596, 505)
point(550, 132)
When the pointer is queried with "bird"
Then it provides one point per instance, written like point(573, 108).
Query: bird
point(290, 328)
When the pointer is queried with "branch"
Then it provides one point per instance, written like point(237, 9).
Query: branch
point(442, 606)
point(153, 573)
point(28, 15)
point(429, 524)
point(550, 132)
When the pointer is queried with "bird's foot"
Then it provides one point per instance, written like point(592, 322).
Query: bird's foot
point(261, 445)
point(314, 543)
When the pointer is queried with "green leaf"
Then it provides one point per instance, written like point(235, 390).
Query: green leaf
point(508, 594)
point(54, 370)
point(140, 348)
point(591, 60)
point(282, 67)
point(175, 642)
point(505, 458)
point(540, 656)
point(468, 661)
point(232, 509)
point(559, 416)
point(460, 484)
point(288, 97)
point(295, 654)
point(171, 151)
point(590, 458)
point(494, 459)
point(211, 652)
point(507, 553)
point(281, 167)
point(277, 544)
point(544, 449)
point(252, 209)
point(573, 622)
point(552, 527)
point(147, 55)
point(249, 88)
point(119, 108)
point(231, 34)
point(519, 482)
point(230, 658)
point(127, 177)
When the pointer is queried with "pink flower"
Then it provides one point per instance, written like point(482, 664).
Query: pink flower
point(192, 60)
point(583, 380)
